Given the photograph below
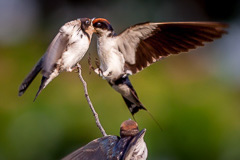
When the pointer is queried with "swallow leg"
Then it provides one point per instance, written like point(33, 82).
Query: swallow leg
point(99, 72)
point(90, 64)
point(107, 73)
point(97, 63)
point(104, 74)
point(72, 69)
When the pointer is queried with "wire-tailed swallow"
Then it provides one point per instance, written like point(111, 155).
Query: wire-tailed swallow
point(143, 44)
point(65, 51)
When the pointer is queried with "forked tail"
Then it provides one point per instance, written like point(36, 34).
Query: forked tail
point(125, 88)
point(44, 83)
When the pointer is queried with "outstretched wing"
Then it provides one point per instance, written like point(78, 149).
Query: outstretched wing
point(146, 43)
point(54, 53)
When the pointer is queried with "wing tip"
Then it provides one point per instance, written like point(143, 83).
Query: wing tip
point(20, 93)
point(22, 89)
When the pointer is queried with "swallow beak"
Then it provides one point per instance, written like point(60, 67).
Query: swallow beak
point(93, 19)
point(92, 24)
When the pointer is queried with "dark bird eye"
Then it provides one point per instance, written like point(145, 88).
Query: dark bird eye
point(99, 24)
point(87, 22)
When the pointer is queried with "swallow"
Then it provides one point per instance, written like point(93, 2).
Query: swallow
point(129, 146)
point(141, 45)
point(65, 51)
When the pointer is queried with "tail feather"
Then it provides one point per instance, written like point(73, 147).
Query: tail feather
point(30, 77)
point(130, 97)
point(41, 87)
point(125, 88)
point(133, 108)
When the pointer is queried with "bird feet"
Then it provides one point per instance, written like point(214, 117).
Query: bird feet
point(98, 71)
point(107, 73)
point(75, 69)
point(104, 74)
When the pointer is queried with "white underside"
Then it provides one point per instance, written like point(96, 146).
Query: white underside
point(76, 52)
point(111, 60)
point(75, 49)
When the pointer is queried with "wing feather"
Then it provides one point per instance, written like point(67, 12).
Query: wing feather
point(146, 43)
point(54, 53)
point(100, 148)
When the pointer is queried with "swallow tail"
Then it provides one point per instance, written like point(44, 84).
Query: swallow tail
point(133, 107)
point(45, 80)
point(30, 77)
point(44, 83)
point(125, 88)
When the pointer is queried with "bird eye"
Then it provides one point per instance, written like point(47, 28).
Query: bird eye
point(87, 22)
point(99, 24)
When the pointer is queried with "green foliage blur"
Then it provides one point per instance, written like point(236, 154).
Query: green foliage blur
point(190, 95)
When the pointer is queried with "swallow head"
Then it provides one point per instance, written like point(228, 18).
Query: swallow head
point(86, 26)
point(128, 128)
point(101, 26)
point(74, 27)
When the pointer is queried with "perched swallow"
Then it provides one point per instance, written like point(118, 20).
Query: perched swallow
point(143, 44)
point(129, 146)
point(65, 51)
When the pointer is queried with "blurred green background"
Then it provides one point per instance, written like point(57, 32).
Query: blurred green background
point(194, 96)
